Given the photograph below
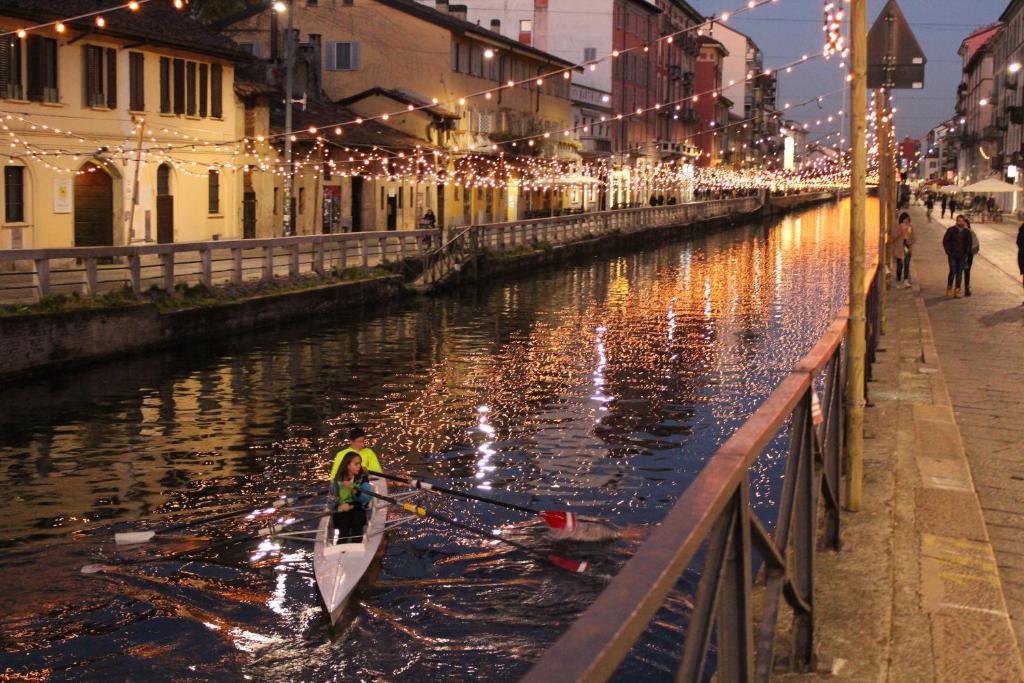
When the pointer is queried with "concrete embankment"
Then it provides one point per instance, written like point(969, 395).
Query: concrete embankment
point(53, 341)
point(47, 342)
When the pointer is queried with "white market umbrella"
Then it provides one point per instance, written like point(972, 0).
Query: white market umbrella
point(990, 185)
point(950, 189)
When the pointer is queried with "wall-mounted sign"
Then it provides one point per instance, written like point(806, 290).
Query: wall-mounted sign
point(62, 189)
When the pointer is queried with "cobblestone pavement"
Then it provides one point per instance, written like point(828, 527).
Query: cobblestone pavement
point(980, 341)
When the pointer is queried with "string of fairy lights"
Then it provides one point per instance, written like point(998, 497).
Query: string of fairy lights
point(466, 167)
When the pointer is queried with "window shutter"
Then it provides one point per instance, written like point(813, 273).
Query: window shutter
point(7, 45)
point(36, 64)
point(179, 86)
point(136, 81)
point(332, 65)
point(204, 89)
point(216, 96)
point(165, 85)
point(89, 72)
point(355, 55)
point(190, 88)
point(111, 78)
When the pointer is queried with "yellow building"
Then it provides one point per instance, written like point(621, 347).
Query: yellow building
point(383, 56)
point(76, 101)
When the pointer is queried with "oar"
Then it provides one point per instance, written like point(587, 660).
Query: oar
point(560, 562)
point(265, 532)
point(134, 537)
point(556, 519)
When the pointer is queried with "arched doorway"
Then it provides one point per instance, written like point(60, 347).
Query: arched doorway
point(164, 205)
point(94, 207)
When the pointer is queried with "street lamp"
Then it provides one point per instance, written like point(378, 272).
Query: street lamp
point(1014, 68)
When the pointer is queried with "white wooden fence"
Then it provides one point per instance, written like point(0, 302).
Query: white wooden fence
point(29, 274)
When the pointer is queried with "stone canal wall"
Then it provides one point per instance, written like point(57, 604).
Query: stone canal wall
point(55, 341)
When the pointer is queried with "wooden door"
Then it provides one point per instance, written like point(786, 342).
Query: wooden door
point(94, 208)
point(249, 215)
point(357, 203)
point(164, 205)
point(165, 218)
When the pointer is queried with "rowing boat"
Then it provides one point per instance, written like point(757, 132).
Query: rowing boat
point(338, 567)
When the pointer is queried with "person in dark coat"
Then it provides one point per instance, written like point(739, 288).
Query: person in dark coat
point(975, 246)
point(1020, 252)
point(957, 244)
point(945, 203)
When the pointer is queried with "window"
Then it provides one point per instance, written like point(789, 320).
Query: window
point(42, 69)
point(204, 88)
point(137, 81)
point(401, 196)
point(525, 31)
point(14, 194)
point(11, 86)
point(251, 48)
point(179, 86)
point(190, 89)
point(302, 200)
point(277, 199)
point(165, 85)
point(589, 54)
point(216, 91)
point(100, 76)
point(455, 55)
point(214, 186)
point(342, 56)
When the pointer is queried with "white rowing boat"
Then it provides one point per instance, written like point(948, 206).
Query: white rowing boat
point(338, 567)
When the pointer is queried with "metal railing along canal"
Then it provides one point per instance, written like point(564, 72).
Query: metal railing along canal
point(714, 513)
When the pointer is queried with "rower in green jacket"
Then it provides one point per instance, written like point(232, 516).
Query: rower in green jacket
point(357, 443)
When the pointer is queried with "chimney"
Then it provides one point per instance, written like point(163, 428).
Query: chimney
point(496, 25)
point(458, 11)
point(441, 6)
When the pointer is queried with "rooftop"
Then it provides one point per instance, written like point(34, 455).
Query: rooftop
point(155, 23)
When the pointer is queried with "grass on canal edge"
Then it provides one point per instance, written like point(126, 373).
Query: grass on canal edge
point(189, 296)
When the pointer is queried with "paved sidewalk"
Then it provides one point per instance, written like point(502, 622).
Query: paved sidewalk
point(980, 341)
point(917, 593)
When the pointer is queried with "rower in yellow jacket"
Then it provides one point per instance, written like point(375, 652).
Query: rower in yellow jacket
point(357, 444)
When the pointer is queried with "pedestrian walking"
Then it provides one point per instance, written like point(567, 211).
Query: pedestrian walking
point(929, 204)
point(904, 242)
point(945, 202)
point(975, 246)
point(1020, 252)
point(956, 243)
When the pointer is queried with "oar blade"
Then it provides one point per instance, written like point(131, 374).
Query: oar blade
point(557, 519)
point(133, 537)
point(575, 566)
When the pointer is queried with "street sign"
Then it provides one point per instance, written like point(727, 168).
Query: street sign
point(895, 58)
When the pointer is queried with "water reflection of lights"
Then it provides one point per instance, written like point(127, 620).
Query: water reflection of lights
point(266, 547)
point(707, 298)
point(484, 463)
point(602, 363)
point(672, 319)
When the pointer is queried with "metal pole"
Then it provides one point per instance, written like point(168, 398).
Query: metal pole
point(885, 201)
point(857, 340)
point(289, 69)
point(135, 181)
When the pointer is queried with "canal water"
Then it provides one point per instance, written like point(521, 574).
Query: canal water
point(600, 386)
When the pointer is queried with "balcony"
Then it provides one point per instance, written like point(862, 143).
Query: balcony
point(596, 144)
